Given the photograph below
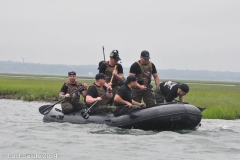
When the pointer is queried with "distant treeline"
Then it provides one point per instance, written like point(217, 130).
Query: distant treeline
point(91, 70)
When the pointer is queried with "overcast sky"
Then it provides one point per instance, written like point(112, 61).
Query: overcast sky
point(179, 34)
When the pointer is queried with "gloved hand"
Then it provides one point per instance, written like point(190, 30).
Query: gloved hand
point(81, 88)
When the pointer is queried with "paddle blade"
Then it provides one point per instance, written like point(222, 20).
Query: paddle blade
point(45, 109)
point(84, 113)
point(201, 109)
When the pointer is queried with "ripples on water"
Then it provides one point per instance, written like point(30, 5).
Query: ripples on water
point(23, 132)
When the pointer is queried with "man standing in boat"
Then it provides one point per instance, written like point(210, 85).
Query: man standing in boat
point(72, 90)
point(114, 71)
point(170, 90)
point(123, 99)
point(102, 94)
point(144, 70)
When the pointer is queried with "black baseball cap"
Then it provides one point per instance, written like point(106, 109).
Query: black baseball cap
point(114, 55)
point(184, 87)
point(145, 54)
point(100, 76)
point(131, 79)
point(71, 73)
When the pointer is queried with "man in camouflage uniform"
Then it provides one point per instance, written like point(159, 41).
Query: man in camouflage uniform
point(113, 70)
point(96, 93)
point(144, 70)
point(72, 90)
point(123, 99)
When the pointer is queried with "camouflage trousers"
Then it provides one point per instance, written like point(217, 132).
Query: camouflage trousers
point(146, 95)
point(125, 109)
point(102, 109)
point(67, 107)
point(159, 96)
point(114, 91)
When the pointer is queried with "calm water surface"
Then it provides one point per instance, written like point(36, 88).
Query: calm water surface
point(23, 135)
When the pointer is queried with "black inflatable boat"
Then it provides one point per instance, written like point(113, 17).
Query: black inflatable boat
point(164, 117)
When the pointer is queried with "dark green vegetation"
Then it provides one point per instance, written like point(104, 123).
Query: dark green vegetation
point(221, 99)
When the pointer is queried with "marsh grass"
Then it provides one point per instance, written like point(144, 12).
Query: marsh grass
point(32, 88)
point(222, 102)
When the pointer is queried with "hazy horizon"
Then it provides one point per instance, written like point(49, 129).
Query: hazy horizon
point(186, 34)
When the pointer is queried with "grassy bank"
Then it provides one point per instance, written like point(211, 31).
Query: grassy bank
point(32, 87)
point(221, 101)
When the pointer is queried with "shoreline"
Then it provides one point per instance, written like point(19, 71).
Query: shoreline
point(11, 97)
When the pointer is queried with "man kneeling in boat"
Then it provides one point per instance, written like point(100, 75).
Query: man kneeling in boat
point(102, 94)
point(123, 98)
point(71, 90)
point(169, 90)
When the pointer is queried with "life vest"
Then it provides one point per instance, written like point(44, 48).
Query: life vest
point(101, 91)
point(146, 73)
point(75, 97)
point(108, 73)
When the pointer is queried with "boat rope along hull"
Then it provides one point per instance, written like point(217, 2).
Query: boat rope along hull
point(165, 117)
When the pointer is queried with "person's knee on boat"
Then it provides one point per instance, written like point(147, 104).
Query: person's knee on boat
point(95, 93)
point(170, 90)
point(71, 91)
point(123, 99)
point(144, 69)
point(113, 71)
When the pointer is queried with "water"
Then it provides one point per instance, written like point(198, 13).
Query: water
point(23, 135)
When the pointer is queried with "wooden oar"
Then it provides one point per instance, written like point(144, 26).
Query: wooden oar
point(113, 74)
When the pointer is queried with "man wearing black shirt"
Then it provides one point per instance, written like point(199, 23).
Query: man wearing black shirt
point(113, 70)
point(144, 70)
point(170, 90)
point(123, 99)
point(71, 90)
point(96, 93)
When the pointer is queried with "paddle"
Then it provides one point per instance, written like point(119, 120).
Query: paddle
point(103, 52)
point(84, 112)
point(113, 74)
point(47, 108)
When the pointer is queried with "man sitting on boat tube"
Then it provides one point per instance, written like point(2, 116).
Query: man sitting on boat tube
point(71, 91)
point(169, 90)
point(102, 94)
point(123, 99)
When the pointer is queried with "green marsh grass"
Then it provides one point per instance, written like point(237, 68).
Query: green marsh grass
point(221, 102)
point(32, 88)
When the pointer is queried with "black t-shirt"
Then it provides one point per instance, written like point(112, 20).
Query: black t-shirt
point(135, 68)
point(125, 93)
point(92, 91)
point(169, 90)
point(103, 68)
